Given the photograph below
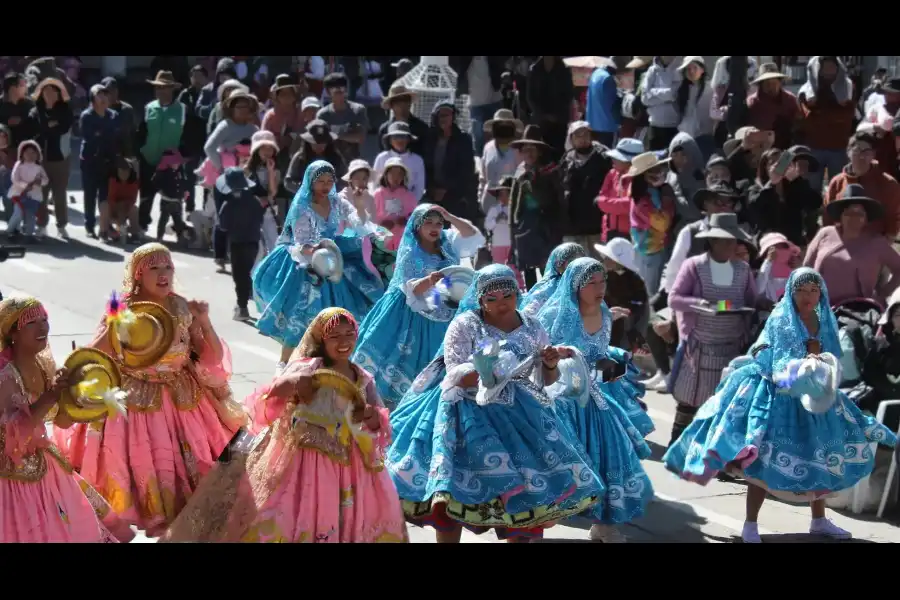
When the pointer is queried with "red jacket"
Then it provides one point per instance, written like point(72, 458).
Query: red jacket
point(123, 191)
point(615, 202)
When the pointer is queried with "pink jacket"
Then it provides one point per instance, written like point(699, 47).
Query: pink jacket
point(394, 205)
point(615, 202)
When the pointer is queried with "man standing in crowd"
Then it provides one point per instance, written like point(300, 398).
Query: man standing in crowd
point(603, 110)
point(659, 95)
point(127, 119)
point(480, 78)
point(347, 119)
point(773, 108)
point(99, 135)
point(399, 102)
point(161, 130)
point(193, 137)
point(14, 108)
point(550, 94)
point(209, 95)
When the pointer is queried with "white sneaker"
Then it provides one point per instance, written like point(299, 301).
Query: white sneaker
point(40, 232)
point(750, 533)
point(62, 233)
point(279, 368)
point(657, 377)
point(607, 534)
point(662, 387)
point(825, 527)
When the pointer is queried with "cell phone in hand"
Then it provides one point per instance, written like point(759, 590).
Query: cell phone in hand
point(784, 161)
point(610, 369)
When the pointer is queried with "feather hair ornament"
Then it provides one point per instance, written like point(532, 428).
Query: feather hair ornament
point(118, 315)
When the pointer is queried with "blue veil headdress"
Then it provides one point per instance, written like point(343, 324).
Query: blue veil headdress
point(303, 198)
point(410, 251)
point(785, 335)
point(561, 316)
point(552, 272)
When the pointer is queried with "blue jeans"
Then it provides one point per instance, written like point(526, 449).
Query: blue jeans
point(478, 115)
point(831, 160)
point(650, 268)
point(25, 211)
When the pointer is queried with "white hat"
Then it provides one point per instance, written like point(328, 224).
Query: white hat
point(621, 251)
point(692, 59)
point(357, 165)
point(395, 161)
point(263, 138)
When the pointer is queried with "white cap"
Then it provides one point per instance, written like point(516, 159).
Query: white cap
point(692, 59)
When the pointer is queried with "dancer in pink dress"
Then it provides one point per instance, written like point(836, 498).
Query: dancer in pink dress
point(314, 472)
point(41, 499)
point(181, 415)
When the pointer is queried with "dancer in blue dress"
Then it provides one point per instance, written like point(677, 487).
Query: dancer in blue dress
point(488, 457)
point(556, 265)
point(288, 293)
point(576, 316)
point(400, 335)
point(787, 432)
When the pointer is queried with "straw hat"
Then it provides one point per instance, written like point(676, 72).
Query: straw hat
point(343, 385)
point(768, 71)
point(263, 138)
point(165, 79)
point(504, 115)
point(63, 92)
point(644, 162)
point(397, 91)
point(239, 94)
point(91, 365)
point(692, 59)
point(532, 136)
point(149, 338)
point(639, 62)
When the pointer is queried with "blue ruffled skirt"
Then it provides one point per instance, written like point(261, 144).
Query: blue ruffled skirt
point(615, 448)
point(288, 300)
point(507, 466)
point(627, 392)
point(396, 344)
point(746, 426)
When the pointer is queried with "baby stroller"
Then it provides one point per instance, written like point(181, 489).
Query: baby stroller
point(858, 324)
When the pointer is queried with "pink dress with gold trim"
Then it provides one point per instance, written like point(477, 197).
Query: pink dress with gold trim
point(316, 479)
point(180, 417)
point(41, 499)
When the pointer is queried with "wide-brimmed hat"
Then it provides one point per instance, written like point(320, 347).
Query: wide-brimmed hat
point(804, 153)
point(724, 226)
point(149, 337)
point(854, 194)
point(399, 128)
point(263, 138)
point(397, 91)
point(328, 261)
point(284, 81)
point(692, 59)
point(644, 162)
point(619, 250)
point(395, 161)
point(357, 165)
point(531, 136)
point(59, 85)
point(100, 370)
point(718, 188)
point(229, 102)
point(504, 115)
point(626, 149)
point(505, 183)
point(318, 132)
point(639, 62)
point(773, 239)
point(164, 79)
point(766, 72)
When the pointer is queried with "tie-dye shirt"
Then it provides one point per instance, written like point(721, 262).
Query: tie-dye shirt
point(651, 220)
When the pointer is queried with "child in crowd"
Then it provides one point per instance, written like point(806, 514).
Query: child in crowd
point(172, 184)
point(780, 258)
point(398, 138)
point(615, 193)
point(262, 171)
point(121, 203)
point(28, 179)
point(243, 203)
point(230, 157)
point(394, 202)
point(357, 178)
point(497, 223)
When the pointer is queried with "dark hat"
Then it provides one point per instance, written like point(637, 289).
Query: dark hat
point(531, 136)
point(399, 128)
point(283, 82)
point(854, 194)
point(717, 160)
point(318, 132)
point(892, 85)
point(198, 68)
point(724, 226)
point(110, 83)
point(164, 79)
point(235, 180)
point(506, 183)
point(804, 153)
point(718, 188)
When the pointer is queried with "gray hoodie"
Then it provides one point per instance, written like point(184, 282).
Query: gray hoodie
point(660, 88)
point(687, 181)
point(842, 86)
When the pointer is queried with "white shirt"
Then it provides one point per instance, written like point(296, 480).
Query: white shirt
point(722, 273)
point(500, 234)
point(413, 162)
point(679, 254)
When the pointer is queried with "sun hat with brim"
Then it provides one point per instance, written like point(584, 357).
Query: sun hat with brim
point(619, 250)
point(399, 129)
point(310, 102)
point(626, 149)
point(642, 163)
point(318, 132)
point(357, 165)
point(771, 239)
point(96, 367)
point(231, 86)
point(854, 194)
point(717, 161)
point(283, 81)
point(724, 226)
point(639, 62)
point(692, 59)
point(532, 136)
point(235, 180)
point(59, 85)
point(164, 79)
point(263, 138)
point(390, 164)
point(241, 95)
point(504, 115)
point(577, 126)
point(804, 153)
point(149, 337)
point(717, 189)
point(766, 72)
point(396, 92)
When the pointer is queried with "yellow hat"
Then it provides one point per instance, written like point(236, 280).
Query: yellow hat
point(91, 365)
point(149, 337)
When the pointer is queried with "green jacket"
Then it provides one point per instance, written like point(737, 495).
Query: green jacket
point(164, 127)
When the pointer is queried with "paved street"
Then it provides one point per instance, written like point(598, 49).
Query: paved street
point(75, 279)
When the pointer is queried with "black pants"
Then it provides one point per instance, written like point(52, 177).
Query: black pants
point(148, 193)
point(173, 209)
point(531, 278)
point(660, 350)
point(95, 184)
point(659, 138)
point(243, 257)
point(684, 416)
point(220, 237)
